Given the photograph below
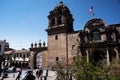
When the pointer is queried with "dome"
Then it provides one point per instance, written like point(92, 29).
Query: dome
point(61, 7)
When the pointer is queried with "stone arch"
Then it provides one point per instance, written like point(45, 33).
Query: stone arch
point(95, 23)
point(98, 57)
point(38, 59)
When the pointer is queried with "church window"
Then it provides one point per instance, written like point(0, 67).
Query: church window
point(56, 37)
point(53, 22)
point(59, 20)
point(57, 58)
point(96, 36)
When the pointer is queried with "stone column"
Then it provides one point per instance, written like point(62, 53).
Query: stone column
point(117, 54)
point(107, 60)
point(56, 21)
point(87, 55)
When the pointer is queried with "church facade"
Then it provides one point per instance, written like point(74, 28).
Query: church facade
point(97, 41)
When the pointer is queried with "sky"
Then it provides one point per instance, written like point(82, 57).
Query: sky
point(24, 21)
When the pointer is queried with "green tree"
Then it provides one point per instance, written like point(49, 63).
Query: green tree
point(59, 70)
point(87, 71)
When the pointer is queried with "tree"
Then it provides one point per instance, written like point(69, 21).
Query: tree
point(59, 70)
point(87, 71)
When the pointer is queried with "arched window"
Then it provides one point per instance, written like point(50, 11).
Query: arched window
point(53, 22)
point(57, 58)
point(96, 36)
point(60, 20)
point(56, 37)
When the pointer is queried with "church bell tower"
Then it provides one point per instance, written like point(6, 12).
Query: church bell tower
point(60, 24)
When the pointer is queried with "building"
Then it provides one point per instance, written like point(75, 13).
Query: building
point(17, 58)
point(97, 41)
point(4, 46)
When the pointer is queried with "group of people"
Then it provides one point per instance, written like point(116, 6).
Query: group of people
point(30, 76)
point(39, 74)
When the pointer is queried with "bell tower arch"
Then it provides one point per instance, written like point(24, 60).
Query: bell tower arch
point(60, 20)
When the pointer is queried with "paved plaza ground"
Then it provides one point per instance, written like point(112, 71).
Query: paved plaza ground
point(51, 75)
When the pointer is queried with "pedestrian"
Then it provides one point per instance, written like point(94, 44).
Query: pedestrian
point(46, 72)
point(40, 73)
point(70, 77)
point(37, 74)
point(18, 76)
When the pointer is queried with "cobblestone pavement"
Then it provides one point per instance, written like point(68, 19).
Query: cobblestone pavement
point(51, 75)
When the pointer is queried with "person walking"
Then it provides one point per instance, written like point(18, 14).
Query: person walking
point(40, 73)
point(37, 74)
point(46, 72)
point(18, 76)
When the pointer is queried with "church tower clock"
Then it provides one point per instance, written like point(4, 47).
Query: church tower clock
point(60, 24)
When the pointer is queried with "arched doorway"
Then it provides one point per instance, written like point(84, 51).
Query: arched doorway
point(38, 60)
point(98, 57)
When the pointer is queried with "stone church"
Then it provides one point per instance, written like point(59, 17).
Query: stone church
point(97, 41)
